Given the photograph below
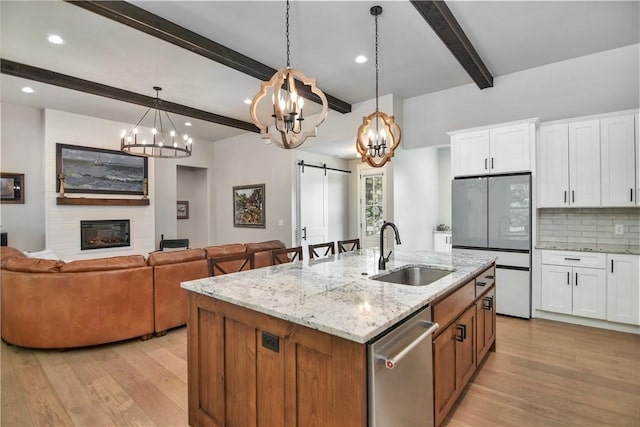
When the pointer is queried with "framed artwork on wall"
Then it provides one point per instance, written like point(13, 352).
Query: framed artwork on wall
point(249, 206)
point(183, 209)
point(11, 187)
point(100, 171)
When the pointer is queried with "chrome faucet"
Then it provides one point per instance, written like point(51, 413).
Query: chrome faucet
point(382, 261)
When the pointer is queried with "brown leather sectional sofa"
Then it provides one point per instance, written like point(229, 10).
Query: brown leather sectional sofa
point(57, 304)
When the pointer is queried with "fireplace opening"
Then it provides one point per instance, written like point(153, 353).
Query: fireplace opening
point(102, 234)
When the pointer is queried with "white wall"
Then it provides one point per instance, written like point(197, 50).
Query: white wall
point(192, 186)
point(444, 185)
point(21, 148)
point(598, 83)
point(167, 194)
point(416, 196)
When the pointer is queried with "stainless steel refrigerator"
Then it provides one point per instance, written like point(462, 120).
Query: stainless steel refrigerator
point(492, 215)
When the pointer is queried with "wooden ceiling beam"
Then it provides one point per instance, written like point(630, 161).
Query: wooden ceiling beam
point(69, 82)
point(138, 18)
point(439, 17)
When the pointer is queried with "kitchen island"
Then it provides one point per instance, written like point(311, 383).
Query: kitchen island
point(286, 345)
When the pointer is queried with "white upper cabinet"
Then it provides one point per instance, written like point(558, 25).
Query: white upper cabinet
point(637, 159)
point(584, 163)
point(569, 165)
point(510, 148)
point(553, 166)
point(493, 150)
point(470, 153)
point(618, 161)
point(590, 163)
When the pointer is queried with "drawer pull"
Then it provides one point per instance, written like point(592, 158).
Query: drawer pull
point(490, 277)
point(463, 333)
point(480, 283)
point(571, 259)
point(488, 303)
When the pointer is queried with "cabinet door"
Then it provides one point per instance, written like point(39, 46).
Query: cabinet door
point(465, 347)
point(617, 150)
point(510, 148)
point(589, 293)
point(485, 324)
point(637, 132)
point(470, 153)
point(584, 163)
point(440, 242)
point(556, 288)
point(623, 283)
point(553, 166)
point(444, 372)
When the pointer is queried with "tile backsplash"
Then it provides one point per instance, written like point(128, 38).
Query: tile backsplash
point(589, 227)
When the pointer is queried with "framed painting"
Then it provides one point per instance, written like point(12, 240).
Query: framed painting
point(100, 171)
point(11, 187)
point(183, 209)
point(249, 206)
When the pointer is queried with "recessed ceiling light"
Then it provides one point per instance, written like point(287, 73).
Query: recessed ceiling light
point(247, 101)
point(55, 39)
point(27, 89)
point(361, 59)
point(187, 123)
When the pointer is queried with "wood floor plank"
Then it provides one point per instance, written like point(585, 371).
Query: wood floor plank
point(70, 392)
point(543, 374)
point(162, 410)
point(43, 403)
point(106, 392)
point(14, 405)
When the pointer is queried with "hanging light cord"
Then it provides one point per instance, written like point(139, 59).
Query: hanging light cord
point(376, 20)
point(287, 34)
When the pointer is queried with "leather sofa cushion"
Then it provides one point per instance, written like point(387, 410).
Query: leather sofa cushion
point(161, 258)
point(32, 265)
point(101, 264)
point(224, 250)
point(7, 252)
point(264, 246)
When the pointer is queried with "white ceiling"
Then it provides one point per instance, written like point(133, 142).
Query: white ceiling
point(326, 36)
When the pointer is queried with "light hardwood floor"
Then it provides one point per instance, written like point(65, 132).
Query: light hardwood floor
point(543, 374)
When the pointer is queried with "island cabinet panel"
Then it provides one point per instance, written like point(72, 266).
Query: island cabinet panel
point(467, 334)
point(291, 376)
point(485, 323)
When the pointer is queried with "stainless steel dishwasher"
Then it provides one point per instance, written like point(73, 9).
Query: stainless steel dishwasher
point(400, 374)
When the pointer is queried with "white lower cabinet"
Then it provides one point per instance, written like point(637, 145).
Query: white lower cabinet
point(623, 288)
point(442, 242)
point(570, 289)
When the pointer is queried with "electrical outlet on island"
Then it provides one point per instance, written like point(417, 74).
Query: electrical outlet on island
point(619, 229)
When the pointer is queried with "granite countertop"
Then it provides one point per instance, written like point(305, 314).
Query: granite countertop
point(336, 295)
point(609, 249)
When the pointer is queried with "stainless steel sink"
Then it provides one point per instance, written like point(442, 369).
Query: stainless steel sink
point(413, 275)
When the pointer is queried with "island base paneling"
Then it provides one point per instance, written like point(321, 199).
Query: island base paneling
point(236, 378)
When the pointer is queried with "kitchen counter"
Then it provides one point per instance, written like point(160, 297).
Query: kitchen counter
point(336, 295)
point(610, 249)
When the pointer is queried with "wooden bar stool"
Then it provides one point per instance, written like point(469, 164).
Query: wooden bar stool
point(230, 264)
point(320, 250)
point(348, 245)
point(281, 256)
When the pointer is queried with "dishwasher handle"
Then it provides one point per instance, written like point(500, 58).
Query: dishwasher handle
point(390, 361)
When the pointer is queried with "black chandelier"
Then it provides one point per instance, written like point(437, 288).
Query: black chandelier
point(161, 142)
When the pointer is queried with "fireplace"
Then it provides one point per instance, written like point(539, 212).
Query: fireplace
point(100, 234)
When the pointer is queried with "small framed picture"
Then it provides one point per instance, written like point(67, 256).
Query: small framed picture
point(11, 188)
point(183, 209)
point(248, 206)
